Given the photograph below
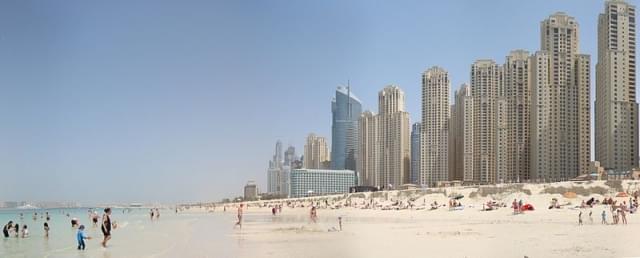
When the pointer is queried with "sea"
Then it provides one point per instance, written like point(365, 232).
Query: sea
point(174, 234)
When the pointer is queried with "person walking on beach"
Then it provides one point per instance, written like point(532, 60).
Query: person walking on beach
point(580, 219)
point(81, 236)
point(46, 229)
point(590, 218)
point(151, 215)
point(239, 223)
point(623, 215)
point(106, 226)
point(604, 217)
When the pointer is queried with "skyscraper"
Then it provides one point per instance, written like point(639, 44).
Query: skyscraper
point(516, 96)
point(486, 77)
point(289, 155)
point(616, 109)
point(368, 159)
point(275, 172)
point(384, 142)
point(435, 126)
point(316, 152)
point(461, 131)
point(415, 153)
point(346, 109)
point(560, 134)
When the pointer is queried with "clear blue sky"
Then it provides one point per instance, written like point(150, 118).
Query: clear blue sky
point(184, 100)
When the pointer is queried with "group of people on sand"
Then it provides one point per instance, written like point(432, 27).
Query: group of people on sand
point(12, 229)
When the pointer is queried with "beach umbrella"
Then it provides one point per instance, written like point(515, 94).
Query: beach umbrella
point(622, 194)
point(570, 195)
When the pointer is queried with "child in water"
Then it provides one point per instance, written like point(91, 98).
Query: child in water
point(81, 236)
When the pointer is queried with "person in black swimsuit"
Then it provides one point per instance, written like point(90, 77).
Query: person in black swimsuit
point(106, 226)
point(6, 228)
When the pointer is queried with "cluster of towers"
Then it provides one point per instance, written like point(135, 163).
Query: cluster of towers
point(527, 119)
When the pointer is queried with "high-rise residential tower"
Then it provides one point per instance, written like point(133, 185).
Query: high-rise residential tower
point(461, 133)
point(346, 109)
point(616, 109)
point(385, 144)
point(414, 177)
point(560, 133)
point(486, 77)
point(435, 126)
point(316, 152)
point(515, 94)
point(368, 150)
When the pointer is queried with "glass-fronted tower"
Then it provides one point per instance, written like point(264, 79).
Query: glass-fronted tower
point(346, 109)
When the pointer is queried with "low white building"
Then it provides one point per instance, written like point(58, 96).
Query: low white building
point(313, 182)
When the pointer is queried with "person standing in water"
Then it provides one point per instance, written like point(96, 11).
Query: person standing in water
point(81, 236)
point(239, 223)
point(151, 215)
point(7, 228)
point(46, 230)
point(106, 226)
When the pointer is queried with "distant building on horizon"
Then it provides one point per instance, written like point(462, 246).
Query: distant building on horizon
point(345, 109)
point(277, 173)
point(316, 152)
point(314, 182)
point(415, 154)
point(250, 191)
point(616, 108)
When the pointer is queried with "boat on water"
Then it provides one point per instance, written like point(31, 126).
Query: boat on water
point(27, 207)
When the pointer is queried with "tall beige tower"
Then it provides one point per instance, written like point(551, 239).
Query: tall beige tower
point(461, 135)
point(560, 133)
point(486, 77)
point(395, 137)
point(384, 147)
point(435, 126)
point(516, 100)
point(616, 109)
point(368, 159)
point(316, 152)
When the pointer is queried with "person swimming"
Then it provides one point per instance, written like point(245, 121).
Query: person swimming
point(74, 222)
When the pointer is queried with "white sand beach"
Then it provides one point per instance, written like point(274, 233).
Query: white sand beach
point(469, 232)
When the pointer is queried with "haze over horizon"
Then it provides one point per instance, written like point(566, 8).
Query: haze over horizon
point(184, 101)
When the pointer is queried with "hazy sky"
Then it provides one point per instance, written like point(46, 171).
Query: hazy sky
point(184, 100)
